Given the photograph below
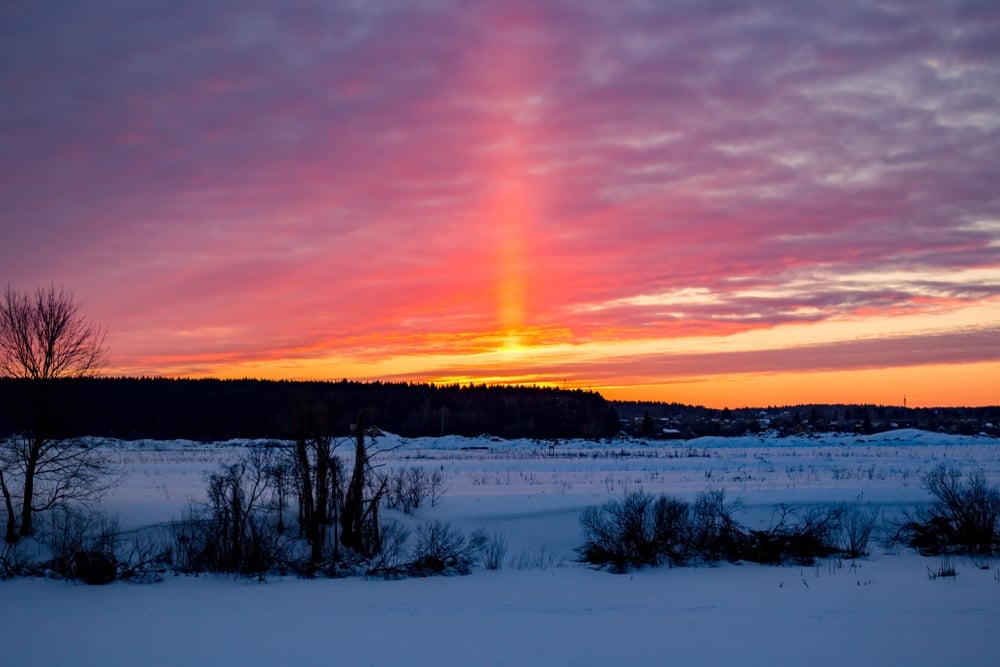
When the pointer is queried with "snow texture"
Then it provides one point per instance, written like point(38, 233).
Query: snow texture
point(544, 608)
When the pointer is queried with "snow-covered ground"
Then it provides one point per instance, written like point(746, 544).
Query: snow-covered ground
point(543, 608)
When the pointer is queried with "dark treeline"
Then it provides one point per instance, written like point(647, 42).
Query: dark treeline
point(674, 420)
point(210, 410)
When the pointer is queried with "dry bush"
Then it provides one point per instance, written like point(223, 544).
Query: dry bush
point(855, 530)
point(638, 530)
point(13, 561)
point(643, 530)
point(234, 531)
point(388, 561)
point(442, 549)
point(494, 552)
point(963, 518)
point(801, 538)
point(715, 533)
point(145, 560)
point(82, 545)
point(407, 489)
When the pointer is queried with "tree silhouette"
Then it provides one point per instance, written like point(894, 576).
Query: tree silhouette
point(44, 338)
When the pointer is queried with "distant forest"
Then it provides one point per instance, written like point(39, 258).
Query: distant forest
point(213, 410)
point(674, 420)
point(210, 410)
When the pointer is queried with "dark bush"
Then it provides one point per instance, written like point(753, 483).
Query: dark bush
point(638, 530)
point(643, 530)
point(82, 545)
point(95, 567)
point(494, 552)
point(442, 549)
point(855, 530)
point(13, 561)
point(801, 539)
point(235, 531)
point(963, 518)
point(146, 560)
point(408, 489)
point(387, 561)
point(715, 533)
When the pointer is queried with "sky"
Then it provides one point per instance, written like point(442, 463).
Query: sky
point(718, 203)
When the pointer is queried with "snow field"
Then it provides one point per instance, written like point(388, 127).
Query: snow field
point(543, 608)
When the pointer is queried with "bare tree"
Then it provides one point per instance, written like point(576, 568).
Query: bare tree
point(364, 493)
point(44, 338)
point(317, 473)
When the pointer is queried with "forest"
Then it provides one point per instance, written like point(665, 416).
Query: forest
point(212, 410)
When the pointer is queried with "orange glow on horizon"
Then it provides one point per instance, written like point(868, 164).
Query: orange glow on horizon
point(849, 360)
point(961, 385)
point(933, 385)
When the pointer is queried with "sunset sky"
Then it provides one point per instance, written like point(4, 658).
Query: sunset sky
point(704, 202)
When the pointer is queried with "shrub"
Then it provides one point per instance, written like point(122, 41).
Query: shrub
point(95, 567)
point(638, 530)
point(13, 561)
point(386, 562)
point(145, 561)
point(409, 488)
point(443, 549)
point(643, 530)
point(715, 533)
point(494, 552)
point(82, 545)
point(855, 530)
point(801, 539)
point(963, 518)
point(233, 531)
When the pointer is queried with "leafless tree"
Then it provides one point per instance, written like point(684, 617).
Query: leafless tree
point(45, 338)
point(234, 531)
point(318, 477)
point(359, 513)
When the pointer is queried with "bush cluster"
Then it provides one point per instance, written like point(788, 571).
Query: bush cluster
point(443, 549)
point(86, 546)
point(642, 529)
point(409, 488)
point(241, 527)
point(963, 518)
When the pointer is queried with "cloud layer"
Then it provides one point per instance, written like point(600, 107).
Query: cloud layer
point(238, 185)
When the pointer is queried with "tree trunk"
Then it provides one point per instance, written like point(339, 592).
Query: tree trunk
point(306, 500)
point(11, 536)
point(29, 486)
point(352, 517)
point(236, 503)
point(322, 491)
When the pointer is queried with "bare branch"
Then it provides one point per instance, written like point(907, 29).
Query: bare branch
point(43, 336)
